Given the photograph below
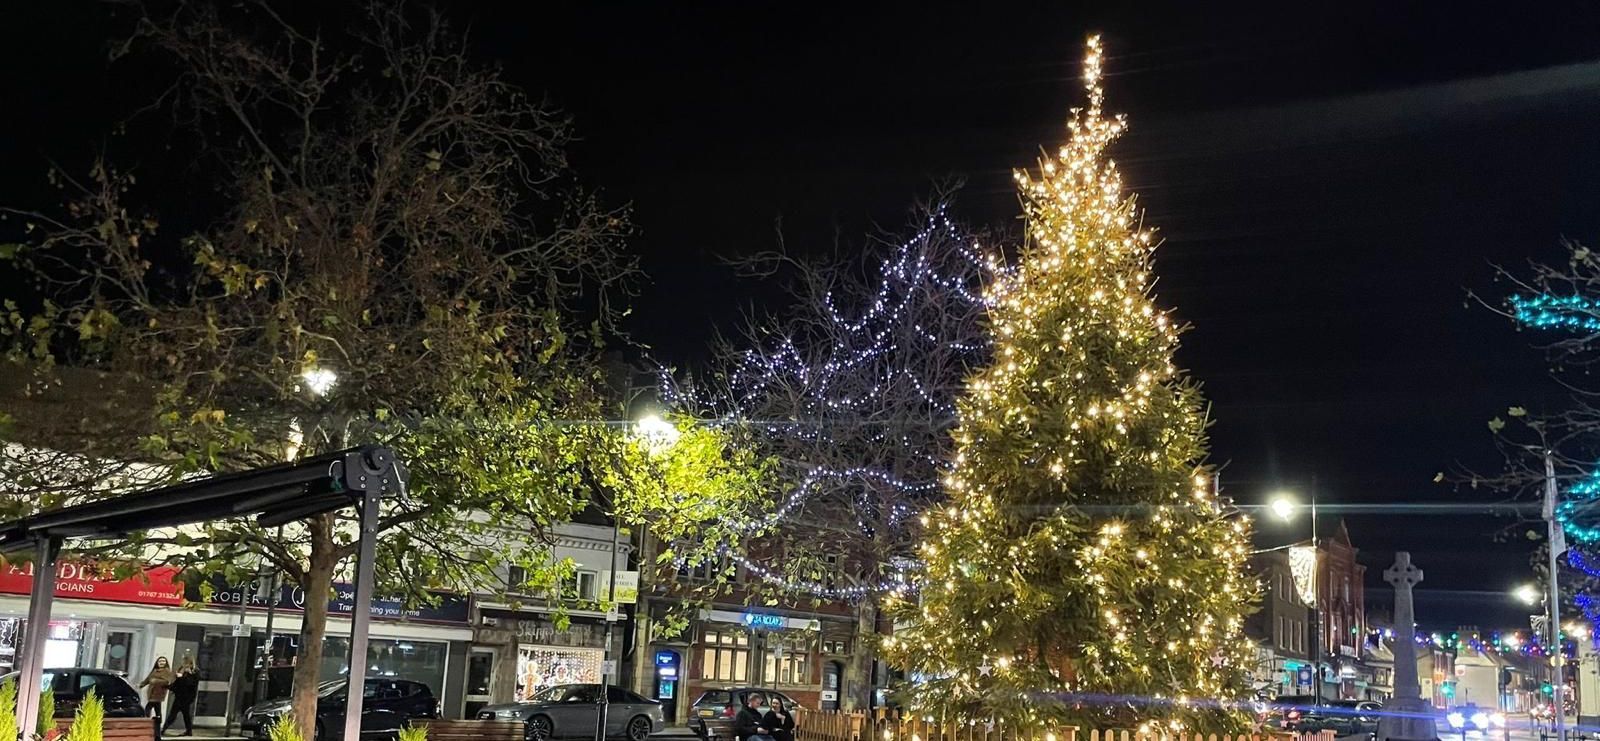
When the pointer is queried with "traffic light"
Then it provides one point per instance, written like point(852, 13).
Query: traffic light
point(1449, 689)
point(1547, 689)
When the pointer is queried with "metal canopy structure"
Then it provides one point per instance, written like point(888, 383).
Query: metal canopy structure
point(359, 477)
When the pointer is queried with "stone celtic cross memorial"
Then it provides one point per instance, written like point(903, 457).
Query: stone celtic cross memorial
point(1406, 717)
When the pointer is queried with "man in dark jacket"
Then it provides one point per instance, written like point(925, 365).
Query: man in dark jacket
point(748, 723)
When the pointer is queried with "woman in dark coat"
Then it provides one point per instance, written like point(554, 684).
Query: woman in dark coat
point(779, 720)
point(184, 689)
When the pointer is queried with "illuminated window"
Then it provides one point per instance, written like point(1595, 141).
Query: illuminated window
point(725, 655)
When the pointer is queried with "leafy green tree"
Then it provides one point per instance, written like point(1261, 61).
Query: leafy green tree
point(1083, 570)
point(390, 248)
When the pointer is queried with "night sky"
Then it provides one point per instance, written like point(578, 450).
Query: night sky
point(1330, 182)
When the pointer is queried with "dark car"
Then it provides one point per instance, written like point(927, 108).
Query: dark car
point(386, 707)
point(70, 685)
point(573, 711)
point(1288, 711)
point(712, 715)
point(1344, 718)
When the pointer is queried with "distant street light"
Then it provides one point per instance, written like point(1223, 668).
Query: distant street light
point(1528, 593)
point(1282, 507)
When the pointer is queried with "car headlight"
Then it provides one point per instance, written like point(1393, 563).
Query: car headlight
point(1480, 720)
point(1457, 720)
point(1498, 719)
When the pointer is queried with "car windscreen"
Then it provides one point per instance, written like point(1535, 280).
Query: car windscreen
point(715, 697)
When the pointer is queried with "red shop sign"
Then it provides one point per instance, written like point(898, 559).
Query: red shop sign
point(158, 585)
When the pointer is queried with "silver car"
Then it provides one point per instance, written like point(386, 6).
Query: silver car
point(573, 711)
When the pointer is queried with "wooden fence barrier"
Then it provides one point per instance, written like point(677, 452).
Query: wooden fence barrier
point(815, 725)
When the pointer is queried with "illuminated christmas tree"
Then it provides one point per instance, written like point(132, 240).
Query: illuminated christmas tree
point(1084, 571)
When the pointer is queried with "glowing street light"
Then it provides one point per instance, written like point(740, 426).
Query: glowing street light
point(1283, 507)
point(657, 433)
point(318, 380)
point(1528, 593)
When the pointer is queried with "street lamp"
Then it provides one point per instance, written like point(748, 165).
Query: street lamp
point(656, 433)
point(1284, 507)
point(1529, 594)
point(318, 380)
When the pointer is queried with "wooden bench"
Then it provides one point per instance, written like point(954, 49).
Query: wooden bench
point(471, 730)
point(120, 729)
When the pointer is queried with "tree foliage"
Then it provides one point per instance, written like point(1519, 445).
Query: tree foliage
point(376, 206)
point(1083, 571)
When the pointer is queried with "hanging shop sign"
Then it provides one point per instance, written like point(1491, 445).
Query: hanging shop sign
point(448, 608)
point(543, 631)
point(157, 585)
point(764, 621)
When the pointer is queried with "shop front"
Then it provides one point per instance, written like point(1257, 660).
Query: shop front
point(517, 654)
point(123, 624)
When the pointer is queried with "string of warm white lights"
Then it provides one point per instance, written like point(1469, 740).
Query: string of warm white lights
point(1083, 550)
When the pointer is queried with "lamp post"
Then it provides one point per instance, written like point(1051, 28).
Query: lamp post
point(1284, 508)
point(656, 435)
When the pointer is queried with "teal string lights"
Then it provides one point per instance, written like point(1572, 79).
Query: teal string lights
point(1577, 510)
point(1543, 311)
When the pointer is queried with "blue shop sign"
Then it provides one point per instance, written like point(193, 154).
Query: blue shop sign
point(666, 658)
point(763, 621)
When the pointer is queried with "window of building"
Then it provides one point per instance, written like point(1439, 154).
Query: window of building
point(584, 584)
point(1283, 628)
point(516, 579)
point(725, 655)
point(705, 570)
point(788, 660)
point(837, 647)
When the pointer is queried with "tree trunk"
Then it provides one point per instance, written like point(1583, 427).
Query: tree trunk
point(858, 676)
point(318, 585)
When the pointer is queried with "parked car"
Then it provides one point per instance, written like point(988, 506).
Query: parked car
point(711, 716)
point(70, 685)
point(386, 706)
point(573, 711)
point(1344, 718)
point(1287, 711)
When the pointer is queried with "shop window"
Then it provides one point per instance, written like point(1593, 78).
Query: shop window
point(725, 655)
point(788, 661)
point(516, 579)
point(540, 667)
point(418, 661)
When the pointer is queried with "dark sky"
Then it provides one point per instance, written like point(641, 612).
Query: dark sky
point(1329, 181)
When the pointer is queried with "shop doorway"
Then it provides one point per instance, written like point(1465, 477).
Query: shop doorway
point(831, 672)
point(480, 681)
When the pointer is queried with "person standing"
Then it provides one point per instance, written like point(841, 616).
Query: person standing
point(779, 721)
point(184, 690)
point(158, 680)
